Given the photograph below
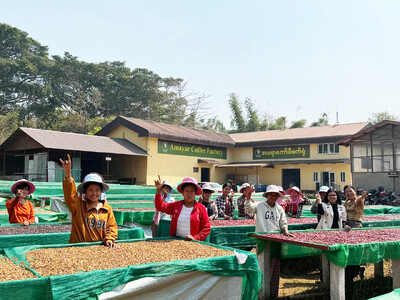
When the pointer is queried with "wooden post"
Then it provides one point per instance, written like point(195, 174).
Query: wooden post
point(378, 269)
point(396, 273)
point(264, 262)
point(337, 282)
point(325, 270)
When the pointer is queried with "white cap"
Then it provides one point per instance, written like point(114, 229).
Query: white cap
point(323, 189)
point(273, 189)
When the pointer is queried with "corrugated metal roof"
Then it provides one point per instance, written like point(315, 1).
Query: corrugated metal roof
point(170, 132)
point(346, 141)
point(308, 134)
point(50, 139)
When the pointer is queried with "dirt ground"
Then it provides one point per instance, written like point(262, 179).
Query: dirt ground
point(310, 287)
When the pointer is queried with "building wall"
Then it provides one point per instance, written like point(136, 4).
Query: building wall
point(370, 180)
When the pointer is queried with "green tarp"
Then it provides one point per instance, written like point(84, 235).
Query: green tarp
point(43, 217)
point(394, 295)
point(19, 240)
point(143, 217)
point(236, 236)
point(341, 255)
point(87, 285)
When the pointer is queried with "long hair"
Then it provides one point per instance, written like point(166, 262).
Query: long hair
point(338, 201)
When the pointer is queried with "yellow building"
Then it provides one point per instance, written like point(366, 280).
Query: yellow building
point(306, 157)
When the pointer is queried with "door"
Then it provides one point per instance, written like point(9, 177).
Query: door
point(290, 177)
point(205, 174)
point(328, 179)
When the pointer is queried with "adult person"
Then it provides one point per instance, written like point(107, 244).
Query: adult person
point(225, 203)
point(92, 217)
point(332, 212)
point(355, 210)
point(246, 190)
point(354, 206)
point(270, 217)
point(166, 192)
point(20, 210)
point(281, 199)
point(211, 207)
point(295, 202)
point(189, 218)
point(319, 197)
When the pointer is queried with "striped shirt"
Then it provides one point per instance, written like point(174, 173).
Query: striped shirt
point(183, 225)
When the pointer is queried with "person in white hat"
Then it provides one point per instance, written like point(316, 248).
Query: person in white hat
point(295, 202)
point(246, 190)
point(319, 197)
point(167, 190)
point(270, 217)
point(92, 218)
point(211, 207)
point(20, 209)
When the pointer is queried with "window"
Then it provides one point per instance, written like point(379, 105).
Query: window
point(328, 148)
point(315, 176)
point(342, 176)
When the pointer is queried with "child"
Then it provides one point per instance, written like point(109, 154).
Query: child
point(295, 202)
point(92, 218)
point(166, 195)
point(246, 191)
point(270, 217)
point(20, 210)
point(211, 207)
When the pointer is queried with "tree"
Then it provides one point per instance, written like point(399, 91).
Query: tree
point(238, 122)
point(23, 64)
point(253, 122)
point(380, 116)
point(322, 121)
point(279, 124)
point(298, 124)
point(212, 124)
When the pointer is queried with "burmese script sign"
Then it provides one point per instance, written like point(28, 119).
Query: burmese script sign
point(283, 152)
point(168, 147)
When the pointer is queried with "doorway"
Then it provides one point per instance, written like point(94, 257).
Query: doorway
point(290, 177)
point(205, 174)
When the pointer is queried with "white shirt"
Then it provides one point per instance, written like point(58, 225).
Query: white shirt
point(268, 218)
point(183, 224)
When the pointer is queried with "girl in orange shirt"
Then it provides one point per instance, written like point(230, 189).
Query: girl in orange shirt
point(20, 210)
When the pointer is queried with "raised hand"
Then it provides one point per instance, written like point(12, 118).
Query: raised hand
point(159, 184)
point(67, 165)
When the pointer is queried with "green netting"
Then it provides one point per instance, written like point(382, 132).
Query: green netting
point(89, 284)
point(394, 295)
point(237, 236)
point(141, 217)
point(341, 255)
point(43, 217)
point(116, 205)
point(11, 241)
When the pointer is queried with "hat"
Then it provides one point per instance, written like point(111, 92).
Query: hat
point(323, 189)
point(92, 178)
point(272, 189)
point(281, 190)
point(31, 186)
point(207, 187)
point(168, 185)
point(244, 186)
point(294, 188)
point(190, 180)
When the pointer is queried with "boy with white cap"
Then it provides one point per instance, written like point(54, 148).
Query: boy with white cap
point(92, 218)
point(270, 217)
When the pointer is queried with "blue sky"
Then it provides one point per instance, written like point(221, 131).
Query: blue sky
point(297, 59)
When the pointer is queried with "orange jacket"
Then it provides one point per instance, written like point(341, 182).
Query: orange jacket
point(88, 225)
point(18, 213)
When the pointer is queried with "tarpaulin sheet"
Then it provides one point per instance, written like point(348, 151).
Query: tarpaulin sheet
point(42, 217)
point(394, 295)
point(19, 240)
point(341, 255)
point(87, 285)
point(144, 217)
